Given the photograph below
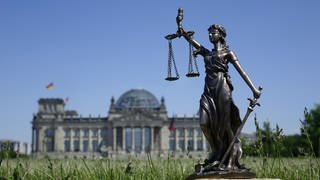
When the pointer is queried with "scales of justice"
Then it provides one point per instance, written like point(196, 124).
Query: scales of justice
point(219, 117)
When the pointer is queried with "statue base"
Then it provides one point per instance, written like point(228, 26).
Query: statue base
point(223, 174)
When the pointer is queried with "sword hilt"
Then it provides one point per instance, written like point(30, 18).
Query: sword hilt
point(253, 102)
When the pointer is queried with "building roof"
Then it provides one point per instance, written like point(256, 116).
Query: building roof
point(51, 101)
point(70, 113)
point(137, 98)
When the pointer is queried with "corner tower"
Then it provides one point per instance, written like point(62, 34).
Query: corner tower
point(46, 125)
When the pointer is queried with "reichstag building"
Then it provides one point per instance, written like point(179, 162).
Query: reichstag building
point(137, 124)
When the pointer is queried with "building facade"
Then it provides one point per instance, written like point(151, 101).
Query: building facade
point(136, 124)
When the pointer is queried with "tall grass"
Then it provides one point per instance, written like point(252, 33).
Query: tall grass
point(287, 168)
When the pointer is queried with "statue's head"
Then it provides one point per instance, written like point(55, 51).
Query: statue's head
point(216, 33)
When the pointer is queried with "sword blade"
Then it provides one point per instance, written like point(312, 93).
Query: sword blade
point(235, 137)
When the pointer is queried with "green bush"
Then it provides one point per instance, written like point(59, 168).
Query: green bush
point(7, 154)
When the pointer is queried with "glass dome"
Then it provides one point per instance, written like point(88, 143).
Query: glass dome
point(137, 98)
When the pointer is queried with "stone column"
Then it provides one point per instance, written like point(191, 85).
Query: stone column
point(142, 139)
point(58, 139)
point(90, 140)
point(99, 137)
point(164, 139)
point(123, 138)
point(114, 129)
point(152, 137)
point(204, 144)
point(195, 145)
point(41, 139)
point(133, 139)
point(185, 139)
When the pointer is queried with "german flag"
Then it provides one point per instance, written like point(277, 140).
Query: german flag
point(50, 86)
point(172, 126)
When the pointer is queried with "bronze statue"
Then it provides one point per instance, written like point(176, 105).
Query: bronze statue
point(219, 116)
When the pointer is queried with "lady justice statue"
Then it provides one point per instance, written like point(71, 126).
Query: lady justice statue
point(219, 116)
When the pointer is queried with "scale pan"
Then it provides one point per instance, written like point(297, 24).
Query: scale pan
point(172, 78)
point(192, 74)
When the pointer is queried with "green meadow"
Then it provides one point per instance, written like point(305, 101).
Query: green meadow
point(283, 168)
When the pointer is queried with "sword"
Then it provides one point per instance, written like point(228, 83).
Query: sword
point(252, 104)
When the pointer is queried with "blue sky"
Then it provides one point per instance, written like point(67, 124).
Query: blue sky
point(93, 50)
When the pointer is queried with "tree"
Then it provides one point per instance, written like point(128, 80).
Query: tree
point(311, 128)
point(295, 145)
point(268, 141)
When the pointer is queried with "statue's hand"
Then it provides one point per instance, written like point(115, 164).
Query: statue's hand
point(181, 32)
point(257, 93)
point(179, 19)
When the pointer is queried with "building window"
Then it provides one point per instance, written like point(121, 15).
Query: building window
point(181, 144)
point(85, 145)
point(49, 139)
point(199, 132)
point(137, 139)
point(95, 132)
point(104, 132)
point(190, 132)
point(199, 145)
point(67, 146)
point(34, 140)
point(147, 139)
point(76, 146)
point(95, 146)
point(11, 146)
point(47, 108)
point(119, 137)
point(172, 134)
point(86, 132)
point(77, 132)
point(49, 144)
point(181, 132)
point(156, 139)
point(49, 132)
point(128, 139)
point(44, 108)
point(190, 145)
point(67, 132)
point(172, 145)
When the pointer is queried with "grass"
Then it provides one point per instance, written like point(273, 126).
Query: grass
point(283, 168)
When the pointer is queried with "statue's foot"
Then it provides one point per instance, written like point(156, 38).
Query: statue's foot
point(198, 168)
point(238, 167)
point(215, 163)
point(205, 167)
